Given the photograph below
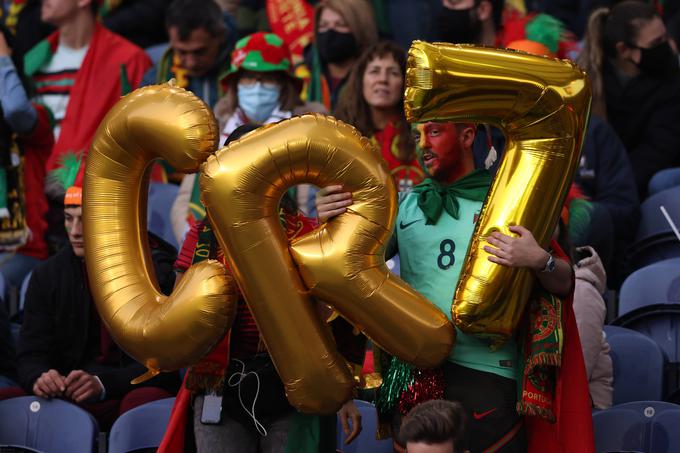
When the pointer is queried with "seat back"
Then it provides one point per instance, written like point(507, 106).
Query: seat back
point(645, 426)
point(638, 364)
point(141, 427)
point(658, 283)
point(366, 441)
point(655, 240)
point(161, 199)
point(22, 291)
point(47, 425)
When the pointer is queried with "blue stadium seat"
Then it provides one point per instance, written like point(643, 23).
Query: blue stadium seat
point(161, 199)
point(644, 426)
point(656, 284)
point(638, 365)
point(366, 441)
point(141, 427)
point(655, 240)
point(47, 425)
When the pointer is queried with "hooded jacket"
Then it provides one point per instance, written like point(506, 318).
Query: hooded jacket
point(590, 312)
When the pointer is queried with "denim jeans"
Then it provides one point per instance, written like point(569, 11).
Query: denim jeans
point(231, 436)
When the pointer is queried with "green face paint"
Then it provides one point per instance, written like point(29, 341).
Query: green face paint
point(415, 131)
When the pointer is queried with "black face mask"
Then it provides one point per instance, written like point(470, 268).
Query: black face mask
point(336, 47)
point(658, 59)
point(457, 26)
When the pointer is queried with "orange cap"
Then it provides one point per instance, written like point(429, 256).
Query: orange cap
point(529, 46)
point(74, 196)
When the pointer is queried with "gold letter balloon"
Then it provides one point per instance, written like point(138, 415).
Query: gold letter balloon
point(542, 105)
point(341, 262)
point(163, 333)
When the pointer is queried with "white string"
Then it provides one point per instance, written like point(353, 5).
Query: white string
point(240, 375)
point(670, 222)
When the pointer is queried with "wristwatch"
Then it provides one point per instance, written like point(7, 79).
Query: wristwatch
point(549, 265)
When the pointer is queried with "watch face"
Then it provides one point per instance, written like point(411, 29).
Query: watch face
point(551, 264)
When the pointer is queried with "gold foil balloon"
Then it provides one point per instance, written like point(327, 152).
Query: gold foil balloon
point(163, 333)
point(542, 105)
point(341, 262)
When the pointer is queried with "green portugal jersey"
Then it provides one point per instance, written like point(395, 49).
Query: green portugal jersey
point(431, 259)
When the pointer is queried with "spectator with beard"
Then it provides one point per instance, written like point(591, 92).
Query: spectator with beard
point(343, 30)
point(636, 84)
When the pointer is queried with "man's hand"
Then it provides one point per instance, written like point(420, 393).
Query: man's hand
point(347, 412)
point(82, 386)
point(5, 51)
point(522, 251)
point(332, 201)
point(49, 384)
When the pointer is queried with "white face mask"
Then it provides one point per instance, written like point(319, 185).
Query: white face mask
point(258, 100)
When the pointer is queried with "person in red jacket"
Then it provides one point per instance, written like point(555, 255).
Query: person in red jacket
point(80, 71)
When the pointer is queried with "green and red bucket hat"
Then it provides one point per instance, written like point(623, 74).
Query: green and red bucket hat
point(262, 52)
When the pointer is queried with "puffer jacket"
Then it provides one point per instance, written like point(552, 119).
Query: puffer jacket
point(590, 311)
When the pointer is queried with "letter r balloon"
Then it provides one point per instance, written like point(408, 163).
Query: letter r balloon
point(241, 186)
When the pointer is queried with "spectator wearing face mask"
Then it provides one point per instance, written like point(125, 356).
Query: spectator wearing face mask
point(261, 89)
point(636, 84)
point(343, 30)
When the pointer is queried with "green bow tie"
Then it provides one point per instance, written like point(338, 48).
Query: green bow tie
point(433, 197)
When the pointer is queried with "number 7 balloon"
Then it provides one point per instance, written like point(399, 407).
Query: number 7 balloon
point(542, 106)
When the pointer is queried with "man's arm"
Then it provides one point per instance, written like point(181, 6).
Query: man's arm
point(524, 251)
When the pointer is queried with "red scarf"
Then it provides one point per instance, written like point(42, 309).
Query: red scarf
point(98, 86)
point(573, 427)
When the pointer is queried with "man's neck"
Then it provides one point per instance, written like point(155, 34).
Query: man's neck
point(466, 167)
point(77, 32)
point(340, 70)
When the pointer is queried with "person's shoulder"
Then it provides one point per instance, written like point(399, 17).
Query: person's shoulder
point(55, 263)
point(120, 48)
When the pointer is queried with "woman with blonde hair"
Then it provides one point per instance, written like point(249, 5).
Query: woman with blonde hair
point(373, 102)
point(634, 71)
point(343, 29)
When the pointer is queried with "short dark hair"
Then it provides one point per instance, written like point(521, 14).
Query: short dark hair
point(435, 422)
point(190, 15)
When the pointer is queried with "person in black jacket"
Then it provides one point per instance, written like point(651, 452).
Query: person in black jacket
point(7, 360)
point(636, 84)
point(64, 349)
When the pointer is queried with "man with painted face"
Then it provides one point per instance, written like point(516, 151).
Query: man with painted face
point(432, 232)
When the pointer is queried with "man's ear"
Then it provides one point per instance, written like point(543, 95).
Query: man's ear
point(467, 135)
point(485, 11)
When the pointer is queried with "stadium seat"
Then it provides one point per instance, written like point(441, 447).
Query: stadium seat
point(655, 239)
point(47, 425)
point(161, 199)
point(638, 365)
point(644, 426)
point(141, 428)
point(656, 284)
point(366, 441)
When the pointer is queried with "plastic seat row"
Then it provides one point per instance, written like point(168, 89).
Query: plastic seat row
point(36, 424)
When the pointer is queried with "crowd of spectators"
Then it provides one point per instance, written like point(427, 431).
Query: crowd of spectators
point(65, 63)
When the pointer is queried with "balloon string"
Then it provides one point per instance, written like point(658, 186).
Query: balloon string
point(240, 375)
